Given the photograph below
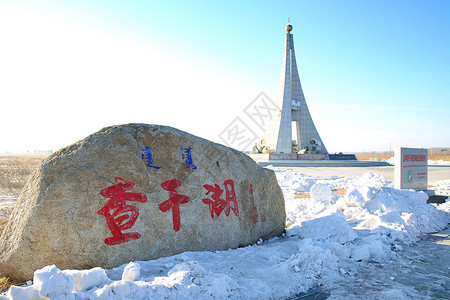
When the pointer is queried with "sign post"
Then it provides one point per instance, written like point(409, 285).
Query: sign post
point(411, 169)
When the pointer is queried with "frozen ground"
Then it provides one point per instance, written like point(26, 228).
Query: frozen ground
point(435, 172)
point(7, 201)
point(430, 162)
point(372, 243)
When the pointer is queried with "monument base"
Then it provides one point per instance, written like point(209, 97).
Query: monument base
point(309, 160)
point(342, 156)
point(287, 156)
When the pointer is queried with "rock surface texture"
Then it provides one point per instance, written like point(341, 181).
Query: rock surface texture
point(138, 192)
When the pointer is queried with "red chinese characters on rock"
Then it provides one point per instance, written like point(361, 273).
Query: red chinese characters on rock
point(174, 201)
point(119, 215)
point(230, 198)
point(263, 218)
point(255, 209)
point(216, 204)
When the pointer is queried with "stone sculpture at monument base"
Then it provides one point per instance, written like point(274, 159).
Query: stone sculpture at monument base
point(138, 192)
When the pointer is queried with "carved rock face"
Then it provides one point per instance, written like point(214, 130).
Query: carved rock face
point(138, 192)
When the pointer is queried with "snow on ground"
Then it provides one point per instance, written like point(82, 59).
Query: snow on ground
point(439, 162)
point(7, 201)
point(441, 187)
point(430, 162)
point(330, 240)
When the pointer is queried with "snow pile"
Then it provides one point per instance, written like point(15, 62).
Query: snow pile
point(441, 187)
point(443, 206)
point(185, 280)
point(86, 280)
point(390, 160)
point(430, 162)
point(390, 217)
point(131, 272)
point(330, 239)
point(439, 162)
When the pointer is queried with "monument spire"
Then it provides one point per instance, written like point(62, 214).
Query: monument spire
point(291, 101)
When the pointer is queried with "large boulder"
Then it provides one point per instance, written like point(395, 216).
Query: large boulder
point(138, 192)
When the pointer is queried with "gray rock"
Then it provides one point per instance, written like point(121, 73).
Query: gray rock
point(138, 192)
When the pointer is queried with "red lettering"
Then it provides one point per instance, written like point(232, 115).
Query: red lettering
point(263, 217)
point(414, 157)
point(254, 209)
point(174, 201)
point(120, 216)
point(216, 204)
point(230, 197)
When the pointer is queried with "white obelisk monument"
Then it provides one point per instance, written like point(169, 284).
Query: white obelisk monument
point(290, 99)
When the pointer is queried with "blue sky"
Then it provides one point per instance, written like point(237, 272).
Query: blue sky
point(376, 74)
